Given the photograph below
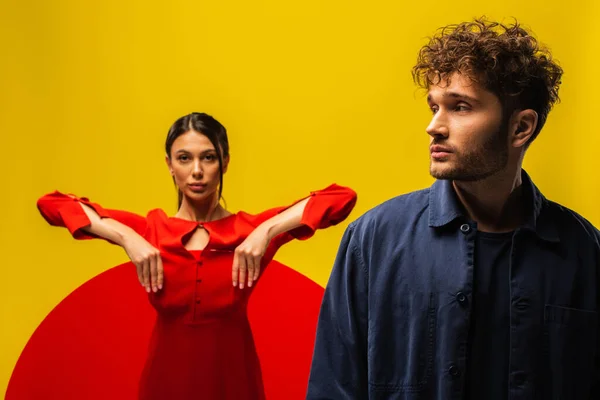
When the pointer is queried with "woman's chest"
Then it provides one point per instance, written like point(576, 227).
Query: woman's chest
point(199, 283)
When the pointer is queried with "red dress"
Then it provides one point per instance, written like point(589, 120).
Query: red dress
point(201, 346)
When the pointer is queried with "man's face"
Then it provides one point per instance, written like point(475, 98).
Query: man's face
point(468, 136)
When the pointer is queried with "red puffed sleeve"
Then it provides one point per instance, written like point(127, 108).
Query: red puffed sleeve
point(64, 210)
point(325, 207)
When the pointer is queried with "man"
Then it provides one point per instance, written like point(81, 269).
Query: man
point(477, 287)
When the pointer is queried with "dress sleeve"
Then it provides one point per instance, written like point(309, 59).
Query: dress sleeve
point(325, 208)
point(64, 210)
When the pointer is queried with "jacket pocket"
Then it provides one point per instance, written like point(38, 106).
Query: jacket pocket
point(570, 337)
point(402, 344)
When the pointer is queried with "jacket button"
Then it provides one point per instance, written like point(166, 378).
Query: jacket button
point(461, 298)
point(453, 370)
point(465, 228)
point(519, 378)
point(521, 303)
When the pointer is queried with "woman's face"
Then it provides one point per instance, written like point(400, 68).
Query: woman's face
point(194, 164)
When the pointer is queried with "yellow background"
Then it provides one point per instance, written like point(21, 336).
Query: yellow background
point(312, 92)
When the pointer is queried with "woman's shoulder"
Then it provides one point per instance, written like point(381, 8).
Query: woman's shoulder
point(159, 217)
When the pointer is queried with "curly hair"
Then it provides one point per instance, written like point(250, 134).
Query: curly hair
point(506, 60)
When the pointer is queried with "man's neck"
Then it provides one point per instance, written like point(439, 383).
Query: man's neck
point(496, 202)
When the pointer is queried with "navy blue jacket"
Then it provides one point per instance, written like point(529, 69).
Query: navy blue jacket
point(394, 321)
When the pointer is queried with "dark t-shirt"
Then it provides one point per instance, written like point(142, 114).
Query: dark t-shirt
point(489, 338)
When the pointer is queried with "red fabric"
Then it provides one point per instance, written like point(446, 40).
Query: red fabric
point(201, 344)
point(94, 343)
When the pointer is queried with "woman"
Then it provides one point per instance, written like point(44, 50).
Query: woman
point(195, 264)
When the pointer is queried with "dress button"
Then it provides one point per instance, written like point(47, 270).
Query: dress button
point(461, 298)
point(197, 301)
point(199, 263)
point(453, 370)
point(465, 228)
point(198, 280)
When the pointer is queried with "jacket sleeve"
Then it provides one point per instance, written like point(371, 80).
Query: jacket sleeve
point(339, 365)
point(595, 390)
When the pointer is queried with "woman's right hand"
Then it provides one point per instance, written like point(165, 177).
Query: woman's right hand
point(147, 261)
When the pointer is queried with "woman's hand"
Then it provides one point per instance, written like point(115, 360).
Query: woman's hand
point(248, 255)
point(146, 259)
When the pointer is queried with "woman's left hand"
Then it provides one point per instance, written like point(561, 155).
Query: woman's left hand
point(248, 255)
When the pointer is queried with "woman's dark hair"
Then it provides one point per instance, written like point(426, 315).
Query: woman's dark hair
point(209, 127)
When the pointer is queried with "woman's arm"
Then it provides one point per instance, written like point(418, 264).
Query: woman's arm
point(248, 254)
point(142, 254)
point(87, 220)
point(323, 208)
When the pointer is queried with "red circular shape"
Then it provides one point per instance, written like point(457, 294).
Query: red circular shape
point(93, 344)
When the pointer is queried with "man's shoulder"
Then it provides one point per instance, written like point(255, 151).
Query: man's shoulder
point(570, 222)
point(398, 211)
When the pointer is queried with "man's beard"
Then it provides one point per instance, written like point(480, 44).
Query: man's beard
point(480, 163)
